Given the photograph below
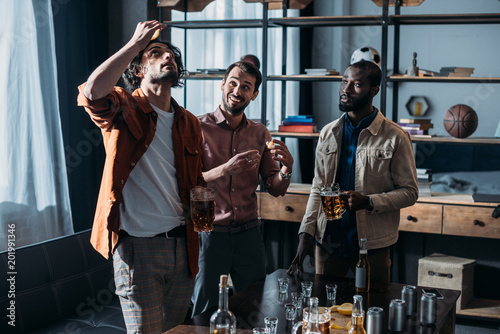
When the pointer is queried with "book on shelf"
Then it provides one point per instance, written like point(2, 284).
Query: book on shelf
point(298, 128)
point(422, 136)
point(414, 132)
point(424, 175)
point(321, 71)
point(416, 126)
point(295, 123)
point(455, 71)
point(424, 189)
point(426, 73)
point(211, 70)
point(296, 119)
point(415, 120)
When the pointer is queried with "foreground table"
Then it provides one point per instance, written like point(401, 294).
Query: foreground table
point(260, 300)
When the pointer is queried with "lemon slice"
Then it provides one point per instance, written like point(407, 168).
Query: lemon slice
point(335, 326)
point(271, 145)
point(348, 326)
point(334, 308)
point(157, 33)
point(345, 309)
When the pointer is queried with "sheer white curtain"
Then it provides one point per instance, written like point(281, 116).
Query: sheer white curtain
point(218, 48)
point(34, 197)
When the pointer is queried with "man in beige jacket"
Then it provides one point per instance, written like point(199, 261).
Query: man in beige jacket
point(372, 159)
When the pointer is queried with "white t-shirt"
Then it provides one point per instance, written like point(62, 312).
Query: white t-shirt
point(151, 201)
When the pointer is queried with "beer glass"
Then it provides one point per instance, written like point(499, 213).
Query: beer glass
point(324, 319)
point(202, 208)
point(330, 201)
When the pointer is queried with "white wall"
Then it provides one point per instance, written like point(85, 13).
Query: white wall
point(436, 45)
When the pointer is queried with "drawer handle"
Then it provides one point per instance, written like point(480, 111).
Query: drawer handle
point(476, 222)
point(288, 208)
point(410, 218)
point(433, 273)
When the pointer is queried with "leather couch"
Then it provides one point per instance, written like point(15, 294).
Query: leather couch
point(60, 286)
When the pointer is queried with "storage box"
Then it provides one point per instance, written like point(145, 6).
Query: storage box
point(448, 272)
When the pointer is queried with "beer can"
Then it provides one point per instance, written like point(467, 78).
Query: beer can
point(375, 320)
point(409, 295)
point(397, 315)
point(428, 309)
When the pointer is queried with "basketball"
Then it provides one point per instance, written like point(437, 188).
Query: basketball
point(460, 121)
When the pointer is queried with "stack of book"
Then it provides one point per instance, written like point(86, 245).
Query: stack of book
point(424, 178)
point(455, 71)
point(321, 71)
point(416, 126)
point(299, 123)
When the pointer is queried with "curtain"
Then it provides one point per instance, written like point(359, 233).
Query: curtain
point(219, 48)
point(34, 199)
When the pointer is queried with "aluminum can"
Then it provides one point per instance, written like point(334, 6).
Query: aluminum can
point(397, 315)
point(375, 320)
point(409, 295)
point(428, 309)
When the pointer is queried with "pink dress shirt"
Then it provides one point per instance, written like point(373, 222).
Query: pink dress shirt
point(235, 199)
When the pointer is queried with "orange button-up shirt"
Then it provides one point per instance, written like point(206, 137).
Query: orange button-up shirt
point(128, 125)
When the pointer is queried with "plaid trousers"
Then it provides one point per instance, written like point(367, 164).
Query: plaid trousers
point(153, 282)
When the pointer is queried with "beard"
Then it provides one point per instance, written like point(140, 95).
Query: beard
point(234, 111)
point(357, 104)
point(169, 76)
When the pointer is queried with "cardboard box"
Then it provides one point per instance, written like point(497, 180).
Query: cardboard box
point(448, 272)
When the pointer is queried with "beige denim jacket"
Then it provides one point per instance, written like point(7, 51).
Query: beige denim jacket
point(385, 170)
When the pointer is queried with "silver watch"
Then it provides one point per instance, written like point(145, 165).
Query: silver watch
point(285, 176)
point(370, 204)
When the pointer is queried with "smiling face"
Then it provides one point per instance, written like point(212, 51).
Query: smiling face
point(356, 93)
point(238, 90)
point(158, 64)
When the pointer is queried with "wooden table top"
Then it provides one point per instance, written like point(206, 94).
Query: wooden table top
point(260, 300)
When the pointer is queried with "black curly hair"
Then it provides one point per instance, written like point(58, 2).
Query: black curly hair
point(130, 75)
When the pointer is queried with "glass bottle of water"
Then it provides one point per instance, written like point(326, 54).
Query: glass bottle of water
point(223, 321)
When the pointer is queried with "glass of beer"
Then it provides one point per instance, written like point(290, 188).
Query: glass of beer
point(330, 201)
point(202, 208)
point(324, 319)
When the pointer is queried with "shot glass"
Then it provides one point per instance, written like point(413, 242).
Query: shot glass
point(259, 330)
point(282, 297)
point(283, 284)
point(331, 292)
point(297, 302)
point(307, 288)
point(290, 311)
point(271, 325)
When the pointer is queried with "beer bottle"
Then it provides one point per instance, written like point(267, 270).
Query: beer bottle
point(223, 321)
point(362, 282)
point(357, 316)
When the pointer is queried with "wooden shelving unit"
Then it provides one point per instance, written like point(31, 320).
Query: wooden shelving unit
point(279, 209)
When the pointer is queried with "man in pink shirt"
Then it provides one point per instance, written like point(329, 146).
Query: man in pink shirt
point(235, 153)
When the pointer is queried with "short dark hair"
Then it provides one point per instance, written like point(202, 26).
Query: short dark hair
point(251, 59)
point(247, 68)
point(374, 73)
point(130, 75)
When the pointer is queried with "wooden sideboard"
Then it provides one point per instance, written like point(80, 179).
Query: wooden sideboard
point(450, 214)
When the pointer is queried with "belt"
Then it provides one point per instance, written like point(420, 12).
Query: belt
point(232, 229)
point(176, 232)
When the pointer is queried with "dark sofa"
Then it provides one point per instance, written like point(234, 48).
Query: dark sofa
point(59, 286)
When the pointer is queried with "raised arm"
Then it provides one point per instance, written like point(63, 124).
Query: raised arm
point(101, 82)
